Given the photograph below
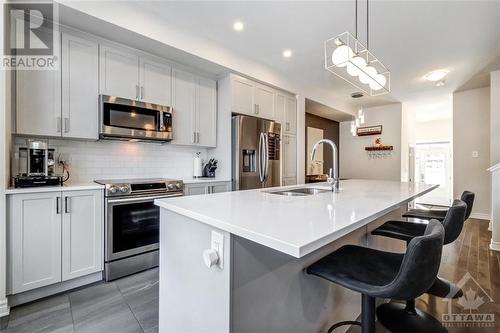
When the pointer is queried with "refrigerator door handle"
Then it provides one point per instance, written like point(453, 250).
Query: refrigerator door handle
point(266, 155)
point(261, 167)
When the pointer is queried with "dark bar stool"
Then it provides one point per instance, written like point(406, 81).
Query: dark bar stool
point(427, 214)
point(417, 320)
point(375, 273)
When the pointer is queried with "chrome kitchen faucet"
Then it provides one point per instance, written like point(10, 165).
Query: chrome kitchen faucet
point(333, 176)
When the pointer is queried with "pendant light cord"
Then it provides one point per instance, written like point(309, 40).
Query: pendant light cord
point(367, 25)
point(356, 17)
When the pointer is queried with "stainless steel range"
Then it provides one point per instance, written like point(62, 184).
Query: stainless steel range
point(132, 223)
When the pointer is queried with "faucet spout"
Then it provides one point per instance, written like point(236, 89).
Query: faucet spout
point(333, 176)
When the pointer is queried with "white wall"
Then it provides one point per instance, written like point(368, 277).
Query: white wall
point(471, 132)
point(355, 162)
point(120, 159)
point(437, 130)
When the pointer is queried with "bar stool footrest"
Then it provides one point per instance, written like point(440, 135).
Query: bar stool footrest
point(396, 318)
point(342, 323)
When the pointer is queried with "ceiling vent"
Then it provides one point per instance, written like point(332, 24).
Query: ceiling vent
point(357, 94)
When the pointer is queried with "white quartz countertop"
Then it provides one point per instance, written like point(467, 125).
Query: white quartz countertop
point(297, 225)
point(65, 187)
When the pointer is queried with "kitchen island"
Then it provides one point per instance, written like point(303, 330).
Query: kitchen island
point(263, 241)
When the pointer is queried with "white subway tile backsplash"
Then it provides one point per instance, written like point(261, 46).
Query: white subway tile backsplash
point(119, 159)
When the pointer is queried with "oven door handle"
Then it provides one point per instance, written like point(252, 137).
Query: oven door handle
point(139, 199)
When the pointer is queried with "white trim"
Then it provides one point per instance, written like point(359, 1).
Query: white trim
point(481, 216)
point(494, 246)
point(494, 167)
point(4, 308)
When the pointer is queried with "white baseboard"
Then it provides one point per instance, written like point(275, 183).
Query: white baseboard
point(495, 246)
point(480, 216)
point(4, 308)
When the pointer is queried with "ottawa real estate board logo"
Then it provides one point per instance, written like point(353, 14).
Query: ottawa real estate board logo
point(30, 35)
point(471, 309)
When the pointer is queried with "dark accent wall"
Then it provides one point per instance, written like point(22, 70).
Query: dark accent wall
point(331, 131)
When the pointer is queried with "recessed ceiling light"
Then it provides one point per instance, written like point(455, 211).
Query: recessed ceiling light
point(238, 26)
point(436, 75)
point(287, 53)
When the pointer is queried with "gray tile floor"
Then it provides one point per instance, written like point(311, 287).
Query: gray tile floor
point(126, 305)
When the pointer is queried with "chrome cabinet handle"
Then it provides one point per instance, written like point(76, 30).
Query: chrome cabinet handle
point(287, 126)
point(66, 124)
point(58, 205)
point(58, 124)
point(136, 91)
point(67, 202)
point(142, 92)
point(194, 137)
point(197, 137)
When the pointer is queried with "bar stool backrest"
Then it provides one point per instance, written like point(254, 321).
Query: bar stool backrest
point(420, 264)
point(468, 198)
point(454, 221)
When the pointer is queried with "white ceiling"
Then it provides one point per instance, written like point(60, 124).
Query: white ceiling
point(409, 37)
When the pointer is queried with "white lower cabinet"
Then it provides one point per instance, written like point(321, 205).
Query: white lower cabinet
point(82, 233)
point(207, 188)
point(53, 237)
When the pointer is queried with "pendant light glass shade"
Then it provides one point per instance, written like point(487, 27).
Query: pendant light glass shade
point(342, 55)
point(349, 59)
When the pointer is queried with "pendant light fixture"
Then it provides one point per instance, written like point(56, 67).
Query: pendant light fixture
point(351, 60)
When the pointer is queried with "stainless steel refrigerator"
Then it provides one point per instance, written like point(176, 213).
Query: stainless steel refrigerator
point(256, 153)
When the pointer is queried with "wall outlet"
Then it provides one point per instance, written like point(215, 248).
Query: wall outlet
point(475, 154)
point(217, 244)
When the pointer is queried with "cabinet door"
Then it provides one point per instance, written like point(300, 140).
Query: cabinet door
point(291, 115)
point(155, 82)
point(242, 96)
point(195, 189)
point(279, 111)
point(82, 233)
point(183, 102)
point(220, 188)
point(206, 112)
point(289, 181)
point(119, 73)
point(80, 89)
point(34, 240)
point(264, 100)
point(290, 160)
point(38, 102)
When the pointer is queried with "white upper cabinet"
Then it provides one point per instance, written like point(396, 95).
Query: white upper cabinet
point(119, 72)
point(264, 101)
point(82, 233)
point(155, 82)
point(34, 250)
point(290, 115)
point(194, 100)
point(206, 112)
point(251, 98)
point(80, 79)
point(279, 110)
point(183, 102)
point(242, 95)
point(38, 102)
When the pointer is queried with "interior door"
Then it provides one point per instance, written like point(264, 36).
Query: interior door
point(155, 82)
point(433, 166)
point(119, 73)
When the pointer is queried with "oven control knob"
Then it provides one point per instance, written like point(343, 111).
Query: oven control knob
point(178, 185)
point(113, 189)
point(123, 189)
point(170, 186)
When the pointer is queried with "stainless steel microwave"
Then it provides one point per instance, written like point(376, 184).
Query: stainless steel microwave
point(127, 119)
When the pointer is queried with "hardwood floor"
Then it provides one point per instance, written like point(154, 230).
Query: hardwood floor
point(469, 254)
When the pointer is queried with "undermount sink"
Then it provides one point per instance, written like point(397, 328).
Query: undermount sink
point(303, 191)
